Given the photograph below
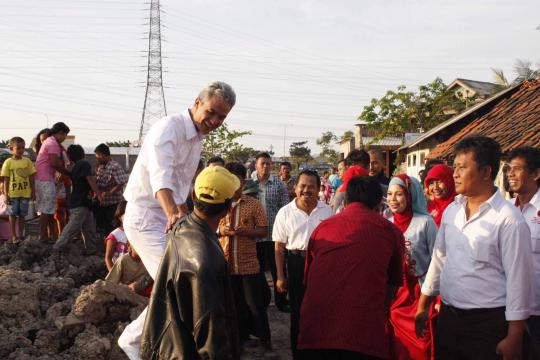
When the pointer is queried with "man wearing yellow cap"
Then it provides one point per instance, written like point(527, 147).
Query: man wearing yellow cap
point(191, 313)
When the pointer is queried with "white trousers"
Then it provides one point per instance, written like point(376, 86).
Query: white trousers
point(145, 230)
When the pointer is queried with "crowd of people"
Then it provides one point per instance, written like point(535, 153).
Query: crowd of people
point(369, 267)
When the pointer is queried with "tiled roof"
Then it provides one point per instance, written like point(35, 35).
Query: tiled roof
point(386, 141)
point(462, 116)
point(513, 122)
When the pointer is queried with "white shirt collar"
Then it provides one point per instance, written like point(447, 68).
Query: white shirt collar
point(535, 200)
point(320, 204)
point(494, 201)
point(191, 130)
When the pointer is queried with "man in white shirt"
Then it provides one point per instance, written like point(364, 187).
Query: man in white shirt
point(481, 264)
point(524, 179)
point(160, 183)
point(292, 228)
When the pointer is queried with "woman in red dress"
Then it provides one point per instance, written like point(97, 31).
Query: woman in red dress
point(408, 205)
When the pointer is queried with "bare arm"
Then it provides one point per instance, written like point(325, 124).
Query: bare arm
point(32, 187)
point(6, 187)
point(510, 346)
point(57, 164)
point(422, 315)
point(281, 282)
point(109, 252)
point(92, 182)
point(172, 211)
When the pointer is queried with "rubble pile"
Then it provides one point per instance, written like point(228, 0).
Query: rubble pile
point(54, 305)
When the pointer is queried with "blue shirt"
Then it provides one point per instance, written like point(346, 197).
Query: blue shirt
point(419, 241)
point(273, 196)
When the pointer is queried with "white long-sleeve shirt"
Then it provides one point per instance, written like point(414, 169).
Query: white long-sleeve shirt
point(168, 160)
point(485, 261)
point(531, 213)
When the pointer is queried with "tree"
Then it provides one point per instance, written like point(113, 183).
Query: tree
point(326, 142)
point(243, 154)
point(347, 135)
point(223, 142)
point(4, 143)
point(121, 143)
point(523, 70)
point(401, 111)
point(300, 152)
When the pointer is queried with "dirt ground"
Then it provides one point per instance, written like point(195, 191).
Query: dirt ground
point(55, 306)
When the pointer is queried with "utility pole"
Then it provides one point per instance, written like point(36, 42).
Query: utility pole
point(154, 100)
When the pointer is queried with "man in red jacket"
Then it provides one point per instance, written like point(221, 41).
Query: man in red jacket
point(352, 259)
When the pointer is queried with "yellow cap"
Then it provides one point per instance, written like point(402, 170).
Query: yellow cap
point(215, 185)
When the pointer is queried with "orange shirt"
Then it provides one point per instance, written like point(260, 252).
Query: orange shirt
point(241, 251)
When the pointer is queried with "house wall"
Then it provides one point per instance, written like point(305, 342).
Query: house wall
point(345, 147)
point(415, 161)
point(416, 157)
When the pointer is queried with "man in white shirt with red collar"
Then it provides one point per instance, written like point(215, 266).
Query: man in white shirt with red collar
point(481, 264)
point(292, 228)
point(160, 183)
point(524, 179)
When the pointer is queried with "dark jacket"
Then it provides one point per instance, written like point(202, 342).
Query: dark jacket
point(191, 313)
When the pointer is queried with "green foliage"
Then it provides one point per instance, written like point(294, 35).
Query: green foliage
point(223, 142)
point(403, 111)
point(347, 135)
point(124, 143)
point(300, 152)
point(326, 142)
point(523, 70)
point(4, 143)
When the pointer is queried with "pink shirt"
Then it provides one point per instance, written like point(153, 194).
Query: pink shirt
point(44, 170)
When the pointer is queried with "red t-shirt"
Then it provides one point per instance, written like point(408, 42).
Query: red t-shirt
point(351, 259)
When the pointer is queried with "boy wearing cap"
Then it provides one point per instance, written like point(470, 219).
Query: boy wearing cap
point(191, 314)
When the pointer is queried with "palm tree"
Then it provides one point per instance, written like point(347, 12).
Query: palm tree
point(523, 70)
point(500, 79)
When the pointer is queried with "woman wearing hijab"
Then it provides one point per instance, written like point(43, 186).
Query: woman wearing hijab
point(409, 213)
point(440, 184)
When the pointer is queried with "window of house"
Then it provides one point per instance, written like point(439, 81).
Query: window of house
point(414, 160)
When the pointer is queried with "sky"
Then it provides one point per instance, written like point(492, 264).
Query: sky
point(299, 68)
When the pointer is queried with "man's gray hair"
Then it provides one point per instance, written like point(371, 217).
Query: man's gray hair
point(378, 153)
point(218, 88)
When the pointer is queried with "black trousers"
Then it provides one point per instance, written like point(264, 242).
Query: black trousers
point(267, 262)
point(295, 272)
point(251, 297)
point(333, 354)
point(104, 218)
point(469, 334)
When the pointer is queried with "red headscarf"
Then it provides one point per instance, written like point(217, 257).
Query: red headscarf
point(351, 172)
point(403, 220)
point(436, 206)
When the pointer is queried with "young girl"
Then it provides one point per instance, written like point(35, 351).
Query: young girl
point(116, 244)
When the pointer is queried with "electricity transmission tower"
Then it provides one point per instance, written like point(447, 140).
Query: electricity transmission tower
point(154, 100)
